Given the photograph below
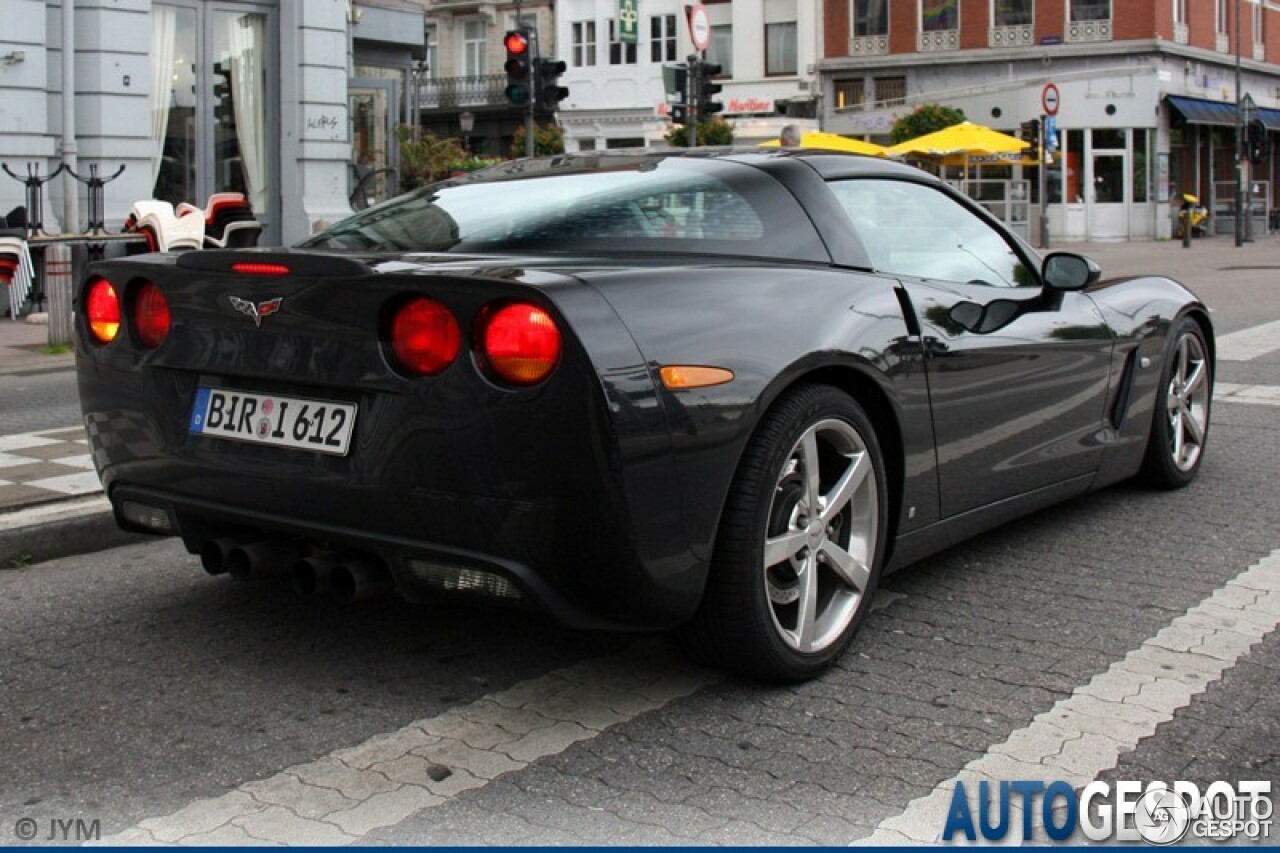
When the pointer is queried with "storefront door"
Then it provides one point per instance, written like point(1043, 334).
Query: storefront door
point(372, 106)
point(1108, 181)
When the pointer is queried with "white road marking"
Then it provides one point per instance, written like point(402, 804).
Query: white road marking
point(1258, 395)
point(1084, 735)
point(1248, 344)
point(381, 782)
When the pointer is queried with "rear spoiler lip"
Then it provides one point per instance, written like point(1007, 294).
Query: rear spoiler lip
point(310, 263)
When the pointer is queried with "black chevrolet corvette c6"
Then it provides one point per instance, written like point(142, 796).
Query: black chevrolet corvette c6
point(720, 391)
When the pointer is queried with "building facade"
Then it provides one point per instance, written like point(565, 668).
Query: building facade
point(195, 97)
point(768, 50)
point(1145, 90)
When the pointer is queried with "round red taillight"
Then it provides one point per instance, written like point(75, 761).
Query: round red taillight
point(102, 308)
point(520, 343)
point(150, 315)
point(425, 337)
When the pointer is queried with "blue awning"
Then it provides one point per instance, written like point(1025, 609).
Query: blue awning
point(1200, 111)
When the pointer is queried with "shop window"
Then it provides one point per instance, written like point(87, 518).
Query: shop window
point(1143, 176)
point(850, 94)
point(210, 107)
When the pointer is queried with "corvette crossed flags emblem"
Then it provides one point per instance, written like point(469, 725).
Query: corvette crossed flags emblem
point(257, 310)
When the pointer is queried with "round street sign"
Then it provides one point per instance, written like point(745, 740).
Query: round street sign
point(700, 26)
point(1049, 99)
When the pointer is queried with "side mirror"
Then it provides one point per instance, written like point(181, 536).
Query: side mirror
point(1069, 271)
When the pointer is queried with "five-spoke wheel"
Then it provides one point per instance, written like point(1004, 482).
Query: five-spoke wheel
point(1180, 426)
point(800, 544)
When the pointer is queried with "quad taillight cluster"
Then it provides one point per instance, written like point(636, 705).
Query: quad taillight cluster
point(518, 342)
point(148, 312)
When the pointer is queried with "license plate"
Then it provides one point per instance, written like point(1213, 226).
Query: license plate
point(322, 426)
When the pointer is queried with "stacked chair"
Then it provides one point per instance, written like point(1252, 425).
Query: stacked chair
point(167, 230)
point(227, 221)
point(15, 272)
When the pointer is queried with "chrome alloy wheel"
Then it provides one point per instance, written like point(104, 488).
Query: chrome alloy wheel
point(822, 529)
point(1188, 403)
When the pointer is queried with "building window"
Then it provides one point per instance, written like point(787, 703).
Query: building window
point(850, 94)
point(720, 51)
point(1089, 20)
point(431, 40)
point(1090, 10)
point(939, 15)
point(619, 53)
point(1012, 13)
point(662, 38)
point(891, 91)
point(1181, 32)
point(474, 47)
point(870, 27)
point(584, 43)
point(780, 48)
point(1011, 23)
point(1259, 40)
point(870, 17)
point(939, 25)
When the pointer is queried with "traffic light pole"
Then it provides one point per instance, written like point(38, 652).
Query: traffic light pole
point(1044, 182)
point(691, 100)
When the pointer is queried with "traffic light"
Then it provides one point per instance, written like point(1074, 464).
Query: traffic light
point(519, 66)
point(224, 111)
point(1030, 132)
point(550, 92)
point(1259, 144)
point(708, 88)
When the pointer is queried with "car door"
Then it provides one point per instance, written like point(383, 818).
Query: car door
point(1017, 373)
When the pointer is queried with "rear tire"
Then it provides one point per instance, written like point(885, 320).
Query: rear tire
point(800, 545)
point(1180, 423)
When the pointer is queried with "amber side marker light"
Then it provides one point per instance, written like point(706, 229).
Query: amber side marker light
point(253, 268)
point(102, 309)
point(679, 377)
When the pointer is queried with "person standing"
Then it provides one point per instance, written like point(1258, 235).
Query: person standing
point(790, 137)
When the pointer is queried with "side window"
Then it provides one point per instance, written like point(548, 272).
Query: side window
point(916, 230)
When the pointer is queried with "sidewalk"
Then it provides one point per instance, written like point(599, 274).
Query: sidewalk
point(23, 348)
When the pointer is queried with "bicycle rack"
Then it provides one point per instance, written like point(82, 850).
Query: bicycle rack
point(35, 193)
point(97, 196)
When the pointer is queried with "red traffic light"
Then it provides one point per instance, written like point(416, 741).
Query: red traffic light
point(516, 43)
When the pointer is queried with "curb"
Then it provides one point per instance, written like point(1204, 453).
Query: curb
point(62, 529)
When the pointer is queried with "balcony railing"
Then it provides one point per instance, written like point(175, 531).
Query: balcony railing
point(1089, 30)
point(479, 90)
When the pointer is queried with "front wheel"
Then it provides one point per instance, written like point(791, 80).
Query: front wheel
point(801, 542)
point(1180, 425)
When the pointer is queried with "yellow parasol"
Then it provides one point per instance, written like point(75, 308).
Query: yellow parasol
point(832, 142)
point(964, 140)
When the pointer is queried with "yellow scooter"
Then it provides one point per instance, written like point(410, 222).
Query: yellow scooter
point(1198, 214)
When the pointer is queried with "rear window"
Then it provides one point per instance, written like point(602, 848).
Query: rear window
point(670, 205)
